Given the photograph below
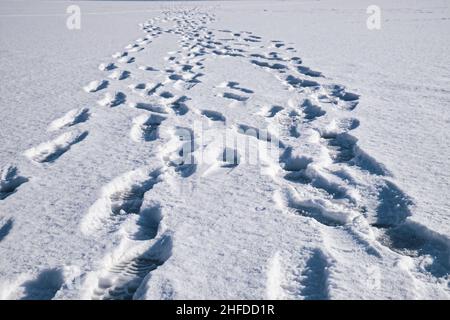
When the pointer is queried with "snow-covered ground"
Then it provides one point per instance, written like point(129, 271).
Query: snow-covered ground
point(247, 149)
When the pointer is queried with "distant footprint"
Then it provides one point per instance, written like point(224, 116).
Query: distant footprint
point(107, 66)
point(308, 72)
point(95, 86)
point(149, 107)
point(119, 75)
point(274, 66)
point(70, 119)
point(273, 111)
point(5, 228)
point(52, 150)
point(311, 111)
point(213, 115)
point(112, 99)
point(235, 85)
point(10, 180)
point(233, 96)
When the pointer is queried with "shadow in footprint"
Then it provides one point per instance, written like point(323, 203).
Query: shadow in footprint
point(315, 277)
point(393, 207)
point(6, 228)
point(213, 115)
point(126, 277)
point(45, 286)
point(148, 223)
point(10, 180)
point(344, 149)
point(413, 240)
point(273, 111)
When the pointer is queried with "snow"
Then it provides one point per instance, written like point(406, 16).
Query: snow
point(219, 150)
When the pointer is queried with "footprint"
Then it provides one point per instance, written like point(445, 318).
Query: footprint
point(147, 68)
point(95, 86)
point(314, 277)
point(45, 286)
point(343, 148)
point(179, 106)
point(146, 127)
point(301, 83)
point(147, 223)
point(233, 96)
point(293, 162)
point(118, 55)
point(119, 75)
point(311, 111)
point(52, 150)
point(6, 228)
point(166, 95)
point(317, 209)
point(273, 111)
point(235, 85)
point(416, 241)
point(213, 115)
point(149, 107)
point(119, 198)
point(308, 72)
point(153, 87)
point(124, 278)
point(126, 59)
point(340, 97)
point(274, 66)
point(10, 180)
point(107, 66)
point(71, 118)
point(112, 100)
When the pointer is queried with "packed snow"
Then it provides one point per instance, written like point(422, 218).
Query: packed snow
point(224, 150)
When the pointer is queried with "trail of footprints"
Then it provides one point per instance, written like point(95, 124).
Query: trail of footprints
point(333, 194)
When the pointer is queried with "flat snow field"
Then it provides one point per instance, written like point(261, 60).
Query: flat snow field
point(220, 150)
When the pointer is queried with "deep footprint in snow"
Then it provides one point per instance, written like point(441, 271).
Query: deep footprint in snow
point(273, 111)
point(234, 96)
point(343, 148)
point(121, 197)
point(95, 86)
point(311, 110)
point(179, 106)
point(119, 75)
point(413, 240)
point(112, 99)
point(314, 277)
point(71, 118)
point(124, 278)
point(52, 150)
point(235, 86)
point(149, 107)
point(10, 180)
point(45, 286)
point(146, 128)
point(213, 115)
point(5, 228)
point(273, 66)
point(339, 96)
